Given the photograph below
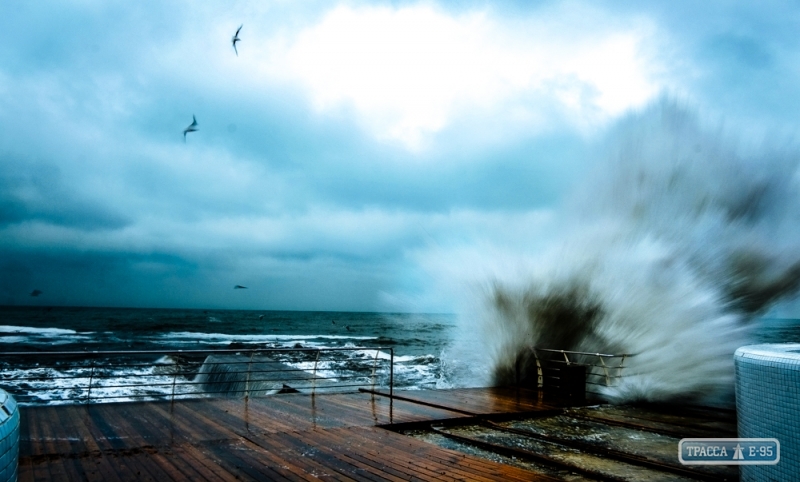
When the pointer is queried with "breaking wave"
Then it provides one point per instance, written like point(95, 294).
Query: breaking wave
point(672, 247)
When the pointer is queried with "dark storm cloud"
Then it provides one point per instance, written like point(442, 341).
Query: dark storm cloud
point(294, 282)
point(37, 192)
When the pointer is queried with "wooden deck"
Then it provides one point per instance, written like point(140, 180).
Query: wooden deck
point(284, 437)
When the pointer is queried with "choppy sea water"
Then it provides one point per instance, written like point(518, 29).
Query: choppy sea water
point(423, 344)
point(418, 341)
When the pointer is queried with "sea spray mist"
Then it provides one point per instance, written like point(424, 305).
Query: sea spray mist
point(677, 240)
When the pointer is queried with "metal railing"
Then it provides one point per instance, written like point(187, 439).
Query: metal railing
point(38, 378)
point(602, 369)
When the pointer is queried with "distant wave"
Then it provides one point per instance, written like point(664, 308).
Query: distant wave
point(36, 331)
point(49, 336)
point(225, 338)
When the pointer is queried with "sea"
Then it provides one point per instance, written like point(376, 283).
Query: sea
point(418, 342)
point(422, 344)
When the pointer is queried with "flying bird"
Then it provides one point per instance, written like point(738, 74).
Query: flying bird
point(236, 39)
point(240, 287)
point(192, 128)
point(36, 292)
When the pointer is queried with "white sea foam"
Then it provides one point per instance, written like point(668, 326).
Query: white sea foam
point(48, 336)
point(52, 386)
point(36, 331)
point(672, 246)
point(227, 338)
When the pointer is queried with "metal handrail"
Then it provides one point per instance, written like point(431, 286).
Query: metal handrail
point(607, 355)
point(214, 351)
point(192, 374)
point(609, 373)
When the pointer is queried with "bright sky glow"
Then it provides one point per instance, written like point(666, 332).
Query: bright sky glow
point(408, 71)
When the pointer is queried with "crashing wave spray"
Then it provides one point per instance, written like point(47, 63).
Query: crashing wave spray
point(678, 241)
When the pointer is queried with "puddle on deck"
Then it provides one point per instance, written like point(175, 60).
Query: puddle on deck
point(577, 448)
point(447, 443)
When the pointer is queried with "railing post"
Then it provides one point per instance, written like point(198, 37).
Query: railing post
point(605, 370)
point(89, 390)
point(247, 380)
point(391, 373)
point(375, 367)
point(174, 379)
point(314, 376)
point(539, 369)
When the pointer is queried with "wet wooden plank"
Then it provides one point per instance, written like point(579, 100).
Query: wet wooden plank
point(408, 457)
point(365, 465)
point(84, 460)
point(653, 423)
point(126, 442)
point(401, 411)
point(315, 457)
point(29, 435)
point(47, 432)
point(690, 417)
point(191, 422)
point(43, 441)
point(482, 401)
point(226, 455)
point(253, 459)
point(332, 451)
point(201, 462)
point(346, 444)
point(292, 412)
point(283, 450)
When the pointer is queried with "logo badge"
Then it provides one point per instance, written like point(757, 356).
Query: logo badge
point(729, 451)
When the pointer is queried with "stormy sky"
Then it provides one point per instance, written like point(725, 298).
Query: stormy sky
point(343, 140)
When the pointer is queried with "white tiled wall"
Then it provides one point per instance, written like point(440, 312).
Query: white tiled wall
point(768, 405)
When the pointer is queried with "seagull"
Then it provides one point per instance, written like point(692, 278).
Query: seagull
point(236, 39)
point(192, 128)
point(240, 287)
point(36, 292)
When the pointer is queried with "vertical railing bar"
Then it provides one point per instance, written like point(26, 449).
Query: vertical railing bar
point(314, 375)
point(247, 379)
point(391, 374)
point(605, 370)
point(89, 390)
point(174, 379)
point(374, 368)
